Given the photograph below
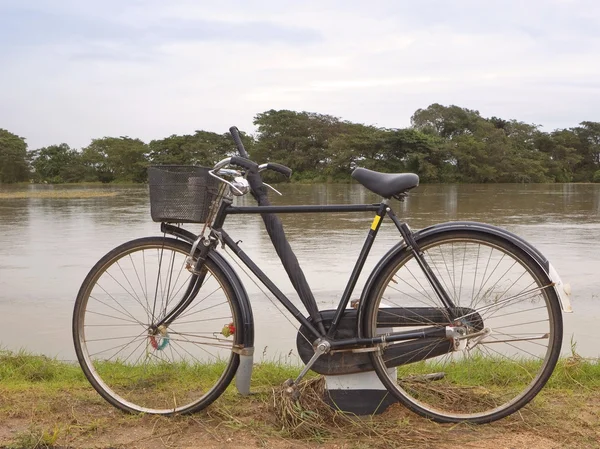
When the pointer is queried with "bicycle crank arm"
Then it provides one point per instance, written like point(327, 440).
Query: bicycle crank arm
point(323, 347)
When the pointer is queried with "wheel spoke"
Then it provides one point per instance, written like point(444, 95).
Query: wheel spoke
point(178, 367)
point(511, 329)
point(189, 312)
point(125, 312)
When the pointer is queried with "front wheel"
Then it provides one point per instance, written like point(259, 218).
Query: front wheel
point(507, 319)
point(179, 368)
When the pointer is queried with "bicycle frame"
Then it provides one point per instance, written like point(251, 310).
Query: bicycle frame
point(489, 356)
point(218, 235)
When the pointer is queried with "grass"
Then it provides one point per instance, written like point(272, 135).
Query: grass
point(35, 438)
point(18, 370)
point(45, 403)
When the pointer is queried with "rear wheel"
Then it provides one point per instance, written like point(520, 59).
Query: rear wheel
point(179, 368)
point(508, 323)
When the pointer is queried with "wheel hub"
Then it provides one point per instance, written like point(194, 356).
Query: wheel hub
point(159, 338)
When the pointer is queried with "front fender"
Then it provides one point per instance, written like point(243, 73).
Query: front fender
point(562, 290)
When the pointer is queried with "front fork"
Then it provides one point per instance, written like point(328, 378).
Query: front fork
point(198, 270)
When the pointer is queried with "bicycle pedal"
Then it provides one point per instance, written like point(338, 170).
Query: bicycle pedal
point(293, 393)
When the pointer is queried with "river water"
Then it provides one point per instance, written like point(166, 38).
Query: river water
point(48, 245)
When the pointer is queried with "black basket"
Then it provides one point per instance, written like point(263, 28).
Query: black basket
point(181, 193)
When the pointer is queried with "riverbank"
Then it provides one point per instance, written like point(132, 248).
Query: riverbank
point(45, 403)
point(58, 194)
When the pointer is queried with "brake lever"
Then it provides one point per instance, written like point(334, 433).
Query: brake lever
point(262, 168)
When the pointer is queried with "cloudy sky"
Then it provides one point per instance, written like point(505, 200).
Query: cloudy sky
point(73, 70)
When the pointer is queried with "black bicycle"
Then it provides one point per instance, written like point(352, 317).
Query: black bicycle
point(461, 321)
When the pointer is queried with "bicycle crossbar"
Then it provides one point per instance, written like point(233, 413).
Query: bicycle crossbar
point(302, 209)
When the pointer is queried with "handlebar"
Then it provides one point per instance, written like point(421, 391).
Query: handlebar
point(236, 160)
point(250, 166)
point(279, 168)
point(244, 162)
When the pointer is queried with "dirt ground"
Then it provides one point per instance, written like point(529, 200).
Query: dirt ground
point(81, 419)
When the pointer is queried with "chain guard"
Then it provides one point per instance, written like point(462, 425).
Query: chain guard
point(400, 353)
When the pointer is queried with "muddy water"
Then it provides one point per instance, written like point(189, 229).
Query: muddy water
point(47, 246)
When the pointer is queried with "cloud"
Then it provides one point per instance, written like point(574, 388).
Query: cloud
point(26, 27)
point(75, 70)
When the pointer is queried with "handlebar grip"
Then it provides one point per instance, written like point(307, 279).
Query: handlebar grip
point(285, 171)
point(235, 133)
point(244, 163)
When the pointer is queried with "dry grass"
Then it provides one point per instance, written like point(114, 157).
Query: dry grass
point(78, 417)
point(311, 418)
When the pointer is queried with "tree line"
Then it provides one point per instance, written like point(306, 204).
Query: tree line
point(443, 144)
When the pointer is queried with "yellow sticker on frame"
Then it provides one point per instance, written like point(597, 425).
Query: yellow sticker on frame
point(375, 222)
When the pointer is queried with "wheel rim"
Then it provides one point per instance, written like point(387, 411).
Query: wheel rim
point(506, 357)
point(167, 370)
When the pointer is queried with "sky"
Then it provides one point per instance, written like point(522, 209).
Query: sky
point(73, 70)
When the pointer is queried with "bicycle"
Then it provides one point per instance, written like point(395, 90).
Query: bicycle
point(461, 321)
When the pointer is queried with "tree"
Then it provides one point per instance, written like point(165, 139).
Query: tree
point(496, 151)
point(589, 150)
point(386, 150)
point(13, 158)
point(445, 121)
point(471, 159)
point(299, 140)
point(59, 163)
point(521, 161)
point(117, 159)
point(356, 145)
point(562, 148)
point(413, 151)
point(202, 148)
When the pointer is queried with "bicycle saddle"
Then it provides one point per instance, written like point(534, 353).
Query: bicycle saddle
point(385, 184)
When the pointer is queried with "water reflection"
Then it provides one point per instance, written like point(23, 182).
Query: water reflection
point(47, 246)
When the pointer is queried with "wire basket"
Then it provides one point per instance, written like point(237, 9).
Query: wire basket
point(181, 193)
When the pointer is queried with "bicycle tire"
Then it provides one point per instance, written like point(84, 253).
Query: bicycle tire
point(512, 299)
point(181, 369)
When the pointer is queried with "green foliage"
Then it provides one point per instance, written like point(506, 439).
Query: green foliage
point(117, 159)
point(596, 177)
point(444, 144)
point(14, 166)
point(588, 148)
point(446, 121)
point(421, 154)
point(202, 148)
point(58, 164)
point(299, 140)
